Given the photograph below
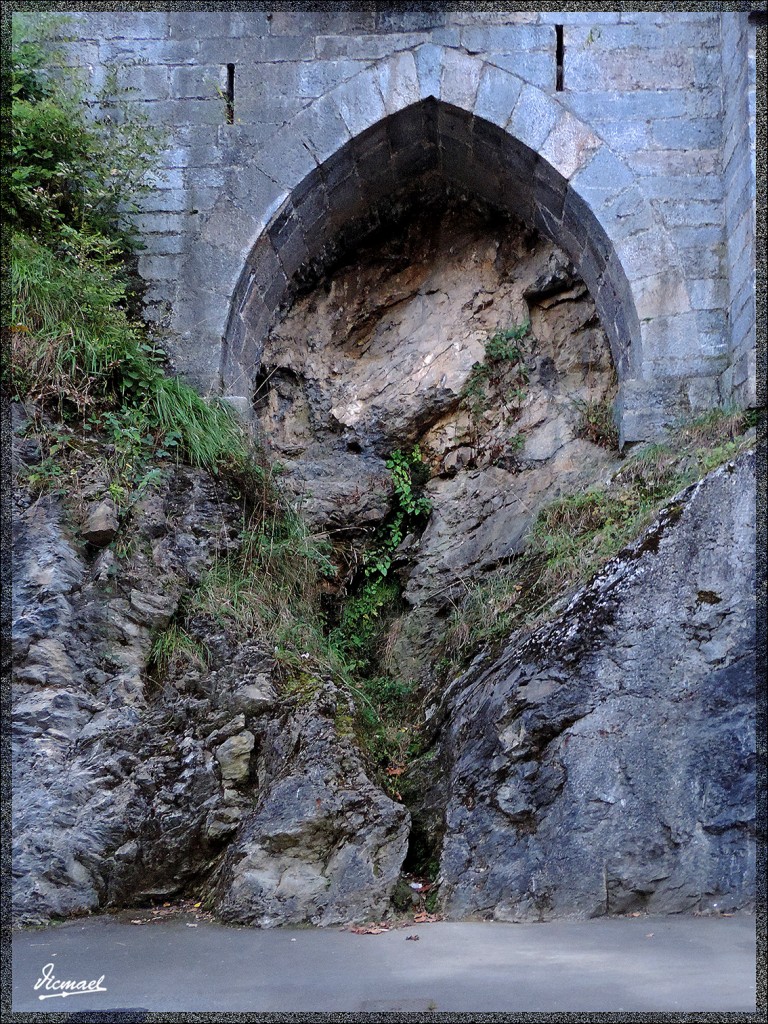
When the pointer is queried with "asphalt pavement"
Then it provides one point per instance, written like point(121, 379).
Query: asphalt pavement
point(684, 964)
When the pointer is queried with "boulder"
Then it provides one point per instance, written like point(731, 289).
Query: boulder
point(101, 523)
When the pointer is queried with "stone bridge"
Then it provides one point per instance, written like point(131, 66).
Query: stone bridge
point(627, 138)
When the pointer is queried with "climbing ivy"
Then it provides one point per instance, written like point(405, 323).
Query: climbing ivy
point(361, 619)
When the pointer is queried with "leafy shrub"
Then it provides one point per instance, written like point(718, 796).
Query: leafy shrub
point(72, 176)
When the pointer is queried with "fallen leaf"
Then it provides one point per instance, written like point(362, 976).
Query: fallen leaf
point(198, 905)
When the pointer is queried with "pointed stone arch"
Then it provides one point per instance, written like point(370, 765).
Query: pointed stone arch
point(436, 110)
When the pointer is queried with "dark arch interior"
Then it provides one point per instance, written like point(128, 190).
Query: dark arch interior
point(365, 184)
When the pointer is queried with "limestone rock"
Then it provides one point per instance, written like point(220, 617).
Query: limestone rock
point(234, 756)
point(605, 763)
point(324, 845)
point(101, 523)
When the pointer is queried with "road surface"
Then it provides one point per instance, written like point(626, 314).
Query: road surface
point(688, 964)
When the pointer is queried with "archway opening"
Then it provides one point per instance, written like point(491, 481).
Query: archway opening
point(365, 183)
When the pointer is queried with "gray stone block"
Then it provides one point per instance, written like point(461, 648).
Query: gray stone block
point(702, 261)
point(477, 16)
point(670, 340)
point(680, 162)
point(645, 254)
point(706, 70)
point(689, 236)
point(164, 245)
point(593, 70)
point(398, 81)
point(534, 116)
point(366, 47)
point(579, 17)
point(537, 69)
point(315, 78)
point(159, 266)
point(165, 223)
point(288, 163)
point(625, 137)
point(660, 295)
point(603, 177)
point(709, 293)
point(676, 132)
point(199, 82)
point(674, 36)
point(229, 49)
point(460, 79)
point(619, 107)
point(189, 111)
point(679, 188)
point(148, 83)
point(359, 102)
point(429, 65)
point(139, 26)
point(216, 24)
point(508, 39)
point(497, 94)
point(703, 104)
point(321, 128)
point(691, 213)
point(268, 92)
point(163, 201)
point(409, 21)
point(569, 146)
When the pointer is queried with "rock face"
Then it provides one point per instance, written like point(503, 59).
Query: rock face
point(602, 763)
point(323, 844)
point(605, 763)
point(125, 791)
point(394, 348)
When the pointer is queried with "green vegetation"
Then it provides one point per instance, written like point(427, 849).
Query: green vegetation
point(596, 423)
point(575, 535)
point(73, 172)
point(501, 379)
point(174, 647)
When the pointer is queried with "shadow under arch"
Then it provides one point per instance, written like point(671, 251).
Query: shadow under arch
point(345, 197)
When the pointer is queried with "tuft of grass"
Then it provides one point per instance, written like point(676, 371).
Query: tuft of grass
point(174, 648)
point(596, 423)
point(574, 536)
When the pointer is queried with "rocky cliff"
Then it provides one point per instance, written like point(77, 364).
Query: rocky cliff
point(601, 761)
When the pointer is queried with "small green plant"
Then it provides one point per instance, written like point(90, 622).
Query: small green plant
point(410, 509)
point(502, 378)
point(596, 423)
point(174, 648)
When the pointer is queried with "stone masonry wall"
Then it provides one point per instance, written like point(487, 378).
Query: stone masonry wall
point(739, 185)
point(651, 133)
